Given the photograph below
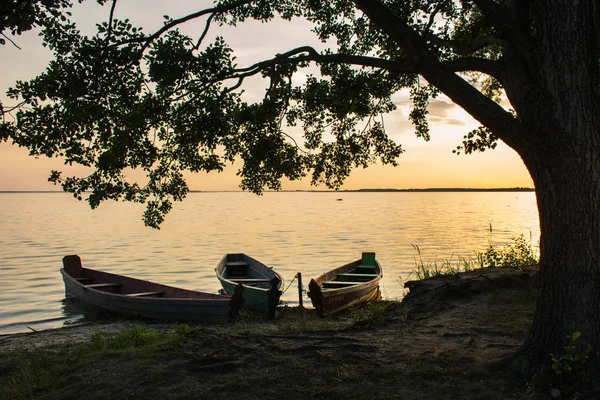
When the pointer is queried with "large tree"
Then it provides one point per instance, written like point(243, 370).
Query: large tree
point(166, 103)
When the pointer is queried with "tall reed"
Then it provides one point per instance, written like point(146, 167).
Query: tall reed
point(520, 253)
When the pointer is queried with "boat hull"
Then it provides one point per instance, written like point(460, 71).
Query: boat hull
point(173, 305)
point(328, 301)
point(263, 285)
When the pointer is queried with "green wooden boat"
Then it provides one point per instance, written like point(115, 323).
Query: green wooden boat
point(346, 286)
point(262, 285)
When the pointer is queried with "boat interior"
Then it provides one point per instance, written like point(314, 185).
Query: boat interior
point(117, 284)
point(360, 272)
point(238, 270)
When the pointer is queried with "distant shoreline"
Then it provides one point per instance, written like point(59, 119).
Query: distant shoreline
point(516, 189)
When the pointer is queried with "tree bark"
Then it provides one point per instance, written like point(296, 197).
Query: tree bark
point(568, 196)
point(563, 158)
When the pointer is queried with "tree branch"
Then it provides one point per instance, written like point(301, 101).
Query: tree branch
point(11, 109)
point(205, 32)
point(295, 142)
point(476, 64)
point(212, 11)
point(198, 14)
point(432, 17)
point(309, 54)
point(10, 40)
point(463, 49)
point(485, 110)
point(296, 56)
point(301, 55)
point(364, 61)
point(110, 22)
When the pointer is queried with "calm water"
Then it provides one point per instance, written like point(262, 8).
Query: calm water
point(292, 232)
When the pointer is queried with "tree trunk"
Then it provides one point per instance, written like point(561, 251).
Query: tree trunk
point(567, 182)
point(563, 159)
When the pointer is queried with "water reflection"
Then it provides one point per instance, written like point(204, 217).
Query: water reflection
point(76, 312)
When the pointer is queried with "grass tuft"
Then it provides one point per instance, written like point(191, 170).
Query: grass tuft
point(374, 312)
point(289, 320)
point(517, 255)
point(27, 374)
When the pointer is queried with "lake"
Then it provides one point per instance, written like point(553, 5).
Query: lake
point(307, 232)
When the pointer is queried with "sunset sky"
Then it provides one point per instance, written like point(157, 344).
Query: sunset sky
point(423, 165)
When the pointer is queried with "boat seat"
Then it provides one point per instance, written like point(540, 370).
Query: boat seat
point(249, 280)
point(340, 283)
point(145, 294)
point(102, 285)
point(237, 264)
point(366, 267)
point(355, 275)
point(237, 269)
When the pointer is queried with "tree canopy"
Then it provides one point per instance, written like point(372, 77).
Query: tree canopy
point(166, 103)
point(17, 16)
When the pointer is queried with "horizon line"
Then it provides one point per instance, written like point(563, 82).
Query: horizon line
point(456, 189)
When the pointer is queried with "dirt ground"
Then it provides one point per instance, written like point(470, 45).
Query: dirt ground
point(445, 336)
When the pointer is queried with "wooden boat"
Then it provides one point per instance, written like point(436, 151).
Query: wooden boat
point(262, 285)
point(346, 286)
point(140, 298)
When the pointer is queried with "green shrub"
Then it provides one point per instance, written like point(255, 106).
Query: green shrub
point(180, 329)
point(519, 254)
point(132, 337)
point(573, 359)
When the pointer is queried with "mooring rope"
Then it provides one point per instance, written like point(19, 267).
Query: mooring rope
point(295, 276)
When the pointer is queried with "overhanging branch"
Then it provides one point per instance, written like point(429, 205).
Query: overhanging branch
point(209, 11)
point(205, 32)
point(312, 55)
point(485, 110)
point(472, 64)
point(10, 40)
point(309, 54)
point(462, 49)
point(110, 21)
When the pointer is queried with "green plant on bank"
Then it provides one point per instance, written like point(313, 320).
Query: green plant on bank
point(135, 337)
point(290, 320)
point(573, 360)
point(449, 266)
point(180, 329)
point(519, 254)
point(25, 374)
point(376, 312)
